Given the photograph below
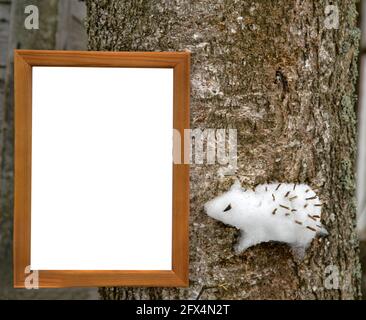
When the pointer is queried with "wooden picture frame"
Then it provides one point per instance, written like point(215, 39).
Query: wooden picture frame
point(24, 61)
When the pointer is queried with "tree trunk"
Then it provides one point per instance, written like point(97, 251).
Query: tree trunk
point(276, 73)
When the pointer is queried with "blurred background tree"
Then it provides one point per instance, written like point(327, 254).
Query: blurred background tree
point(61, 26)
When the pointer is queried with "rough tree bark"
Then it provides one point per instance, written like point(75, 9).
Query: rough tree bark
point(273, 71)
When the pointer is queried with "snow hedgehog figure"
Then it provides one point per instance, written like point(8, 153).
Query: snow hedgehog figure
point(288, 213)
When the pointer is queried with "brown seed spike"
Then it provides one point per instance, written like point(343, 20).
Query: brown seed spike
point(293, 210)
point(310, 228)
point(307, 190)
point(273, 197)
point(305, 205)
point(278, 186)
point(316, 216)
point(298, 222)
point(311, 198)
point(292, 198)
point(274, 211)
point(284, 207)
point(294, 186)
point(287, 214)
point(311, 217)
point(317, 205)
point(287, 193)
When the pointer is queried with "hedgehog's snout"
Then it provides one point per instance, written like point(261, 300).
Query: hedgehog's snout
point(207, 207)
point(210, 209)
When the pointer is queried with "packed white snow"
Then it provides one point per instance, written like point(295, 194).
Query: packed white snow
point(283, 212)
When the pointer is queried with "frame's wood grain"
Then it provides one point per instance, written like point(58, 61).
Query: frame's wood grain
point(23, 62)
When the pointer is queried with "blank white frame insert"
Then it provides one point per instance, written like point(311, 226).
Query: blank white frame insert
point(101, 194)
